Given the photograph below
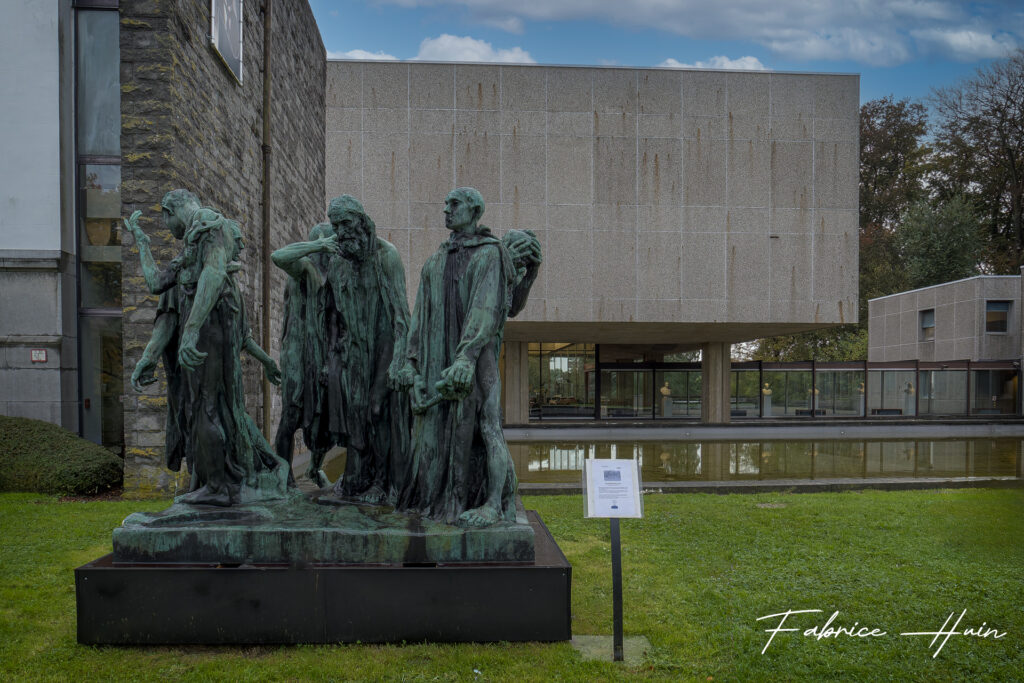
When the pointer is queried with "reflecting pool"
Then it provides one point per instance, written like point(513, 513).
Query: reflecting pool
point(768, 460)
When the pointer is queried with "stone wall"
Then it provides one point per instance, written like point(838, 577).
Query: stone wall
point(187, 122)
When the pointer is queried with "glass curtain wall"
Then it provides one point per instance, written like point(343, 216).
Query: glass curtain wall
point(627, 393)
point(98, 146)
point(561, 380)
point(993, 392)
point(745, 393)
point(942, 392)
point(790, 391)
point(678, 393)
point(565, 377)
point(840, 392)
point(892, 392)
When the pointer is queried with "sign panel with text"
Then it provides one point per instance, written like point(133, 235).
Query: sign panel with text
point(611, 488)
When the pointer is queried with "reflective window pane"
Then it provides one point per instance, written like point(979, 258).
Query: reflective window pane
point(99, 83)
point(943, 392)
point(678, 393)
point(892, 392)
point(100, 236)
point(561, 380)
point(996, 315)
point(840, 392)
point(786, 392)
point(993, 392)
point(927, 324)
point(745, 399)
point(102, 381)
point(626, 393)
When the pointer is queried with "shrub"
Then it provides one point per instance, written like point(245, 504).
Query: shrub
point(45, 458)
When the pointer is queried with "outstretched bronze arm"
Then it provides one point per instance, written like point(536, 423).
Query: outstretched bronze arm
point(157, 281)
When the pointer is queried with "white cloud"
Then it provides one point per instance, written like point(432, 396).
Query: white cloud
point(875, 47)
point(449, 48)
point(878, 32)
point(360, 54)
point(747, 63)
point(965, 45)
point(509, 24)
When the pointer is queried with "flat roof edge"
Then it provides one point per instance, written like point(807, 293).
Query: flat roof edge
point(595, 66)
point(942, 284)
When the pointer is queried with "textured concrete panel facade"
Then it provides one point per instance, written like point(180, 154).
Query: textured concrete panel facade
point(664, 199)
point(895, 322)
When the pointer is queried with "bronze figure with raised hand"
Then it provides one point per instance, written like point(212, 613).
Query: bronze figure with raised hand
point(201, 330)
point(463, 470)
point(303, 348)
point(366, 318)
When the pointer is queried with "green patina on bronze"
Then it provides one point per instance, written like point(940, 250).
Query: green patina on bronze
point(462, 470)
point(300, 530)
point(343, 345)
point(200, 331)
point(303, 348)
point(367, 322)
point(437, 488)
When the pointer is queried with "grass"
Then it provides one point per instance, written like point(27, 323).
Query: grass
point(698, 571)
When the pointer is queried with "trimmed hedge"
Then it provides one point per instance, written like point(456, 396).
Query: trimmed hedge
point(44, 458)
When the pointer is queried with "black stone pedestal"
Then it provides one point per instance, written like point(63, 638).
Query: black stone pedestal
point(263, 604)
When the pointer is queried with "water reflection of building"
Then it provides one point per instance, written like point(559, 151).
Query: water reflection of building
point(776, 460)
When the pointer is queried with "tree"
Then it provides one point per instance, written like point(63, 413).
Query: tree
point(979, 141)
point(940, 244)
point(893, 165)
point(892, 159)
point(849, 342)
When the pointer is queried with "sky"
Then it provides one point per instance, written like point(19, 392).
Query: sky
point(903, 48)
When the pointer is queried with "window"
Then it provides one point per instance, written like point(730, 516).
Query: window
point(98, 146)
point(996, 315)
point(927, 324)
point(561, 380)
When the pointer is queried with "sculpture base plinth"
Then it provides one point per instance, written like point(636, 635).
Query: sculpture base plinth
point(176, 604)
point(299, 531)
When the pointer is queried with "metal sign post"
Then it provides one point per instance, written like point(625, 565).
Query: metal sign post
point(611, 488)
point(616, 591)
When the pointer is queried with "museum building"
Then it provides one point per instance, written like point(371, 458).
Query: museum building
point(678, 210)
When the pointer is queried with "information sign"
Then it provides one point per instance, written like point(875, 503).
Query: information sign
point(611, 488)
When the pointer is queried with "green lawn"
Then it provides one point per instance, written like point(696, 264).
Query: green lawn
point(699, 571)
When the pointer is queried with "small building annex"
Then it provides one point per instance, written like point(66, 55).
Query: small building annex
point(960, 341)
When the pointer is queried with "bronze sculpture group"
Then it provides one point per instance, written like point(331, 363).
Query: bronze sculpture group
point(414, 399)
